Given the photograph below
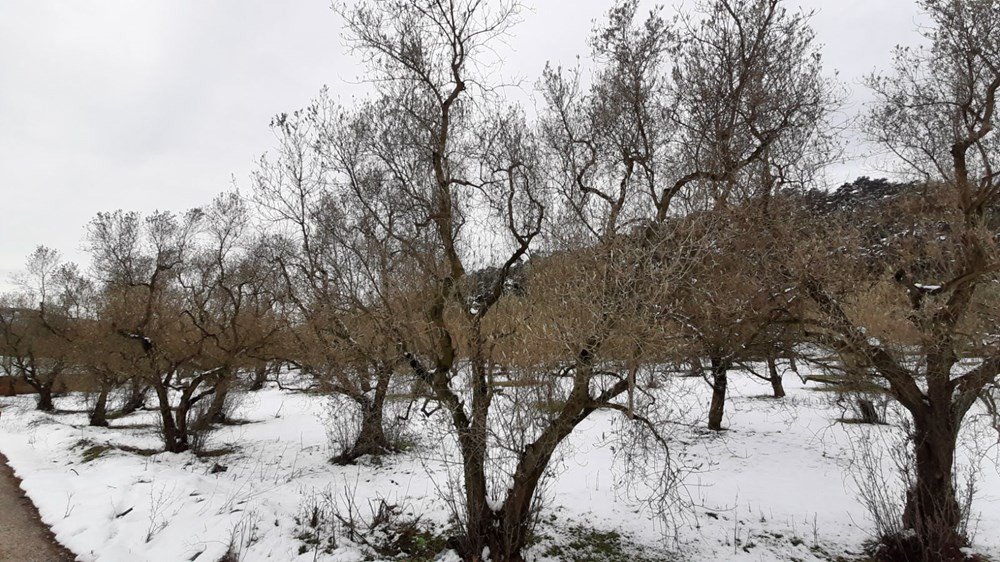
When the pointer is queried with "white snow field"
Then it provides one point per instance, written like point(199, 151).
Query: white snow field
point(776, 485)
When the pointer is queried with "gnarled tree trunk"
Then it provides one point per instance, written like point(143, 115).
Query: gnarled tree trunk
point(371, 439)
point(45, 398)
point(174, 437)
point(506, 530)
point(932, 509)
point(44, 402)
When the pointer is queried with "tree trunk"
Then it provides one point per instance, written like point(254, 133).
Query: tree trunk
point(932, 510)
point(45, 397)
point(868, 412)
point(259, 378)
point(480, 518)
point(480, 526)
point(174, 440)
point(371, 438)
point(720, 369)
point(184, 442)
point(136, 398)
point(506, 531)
point(511, 533)
point(99, 415)
point(216, 412)
point(774, 376)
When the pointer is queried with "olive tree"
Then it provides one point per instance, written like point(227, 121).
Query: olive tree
point(334, 264)
point(230, 295)
point(937, 113)
point(139, 261)
point(41, 324)
point(444, 171)
point(721, 110)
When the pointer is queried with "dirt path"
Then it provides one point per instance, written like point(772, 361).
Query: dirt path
point(23, 536)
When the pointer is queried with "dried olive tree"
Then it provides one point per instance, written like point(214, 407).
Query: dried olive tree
point(737, 305)
point(41, 326)
point(754, 108)
point(925, 334)
point(335, 266)
point(723, 110)
point(443, 172)
point(138, 260)
point(230, 293)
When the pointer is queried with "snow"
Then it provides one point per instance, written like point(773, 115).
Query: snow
point(776, 485)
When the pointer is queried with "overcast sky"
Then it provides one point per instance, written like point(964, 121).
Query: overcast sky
point(160, 104)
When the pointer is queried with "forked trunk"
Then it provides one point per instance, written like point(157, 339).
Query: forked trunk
point(720, 370)
point(506, 531)
point(514, 521)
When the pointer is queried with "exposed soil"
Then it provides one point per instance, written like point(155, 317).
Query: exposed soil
point(23, 536)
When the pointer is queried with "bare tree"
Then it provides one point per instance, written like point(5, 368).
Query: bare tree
point(336, 265)
point(736, 306)
point(107, 363)
point(740, 115)
point(443, 156)
point(31, 351)
point(929, 342)
point(139, 260)
point(38, 328)
point(753, 106)
point(437, 168)
point(97, 357)
point(230, 293)
point(612, 144)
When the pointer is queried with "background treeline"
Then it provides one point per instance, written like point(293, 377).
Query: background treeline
point(512, 274)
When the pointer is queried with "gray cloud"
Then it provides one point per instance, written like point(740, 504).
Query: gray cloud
point(108, 104)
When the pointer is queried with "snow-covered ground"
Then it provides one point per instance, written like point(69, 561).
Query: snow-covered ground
point(776, 485)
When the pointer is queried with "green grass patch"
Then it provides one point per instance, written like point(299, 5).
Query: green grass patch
point(584, 544)
point(95, 452)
